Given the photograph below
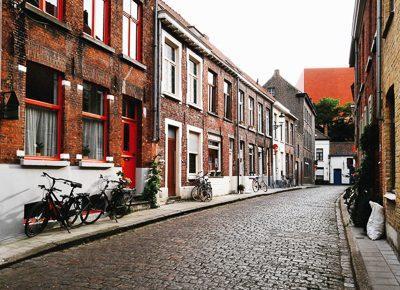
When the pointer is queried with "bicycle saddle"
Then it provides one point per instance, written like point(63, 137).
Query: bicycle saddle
point(76, 185)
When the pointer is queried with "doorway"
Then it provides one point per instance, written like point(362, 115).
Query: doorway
point(172, 162)
point(337, 176)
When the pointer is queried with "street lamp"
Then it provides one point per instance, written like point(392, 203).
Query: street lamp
point(281, 121)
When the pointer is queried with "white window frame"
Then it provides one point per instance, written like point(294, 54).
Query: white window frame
point(241, 107)
point(216, 138)
point(199, 166)
point(260, 118)
point(251, 112)
point(267, 122)
point(167, 38)
point(199, 61)
point(260, 168)
point(252, 159)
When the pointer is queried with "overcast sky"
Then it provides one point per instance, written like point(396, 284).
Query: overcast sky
point(263, 35)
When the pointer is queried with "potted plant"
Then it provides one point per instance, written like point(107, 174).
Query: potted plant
point(39, 146)
point(85, 152)
point(241, 188)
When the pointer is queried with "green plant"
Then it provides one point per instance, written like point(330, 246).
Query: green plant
point(241, 188)
point(153, 183)
point(39, 146)
point(85, 150)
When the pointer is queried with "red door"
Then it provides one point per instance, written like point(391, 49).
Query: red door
point(130, 137)
point(171, 162)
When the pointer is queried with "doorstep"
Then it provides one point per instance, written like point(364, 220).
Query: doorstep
point(58, 239)
point(375, 263)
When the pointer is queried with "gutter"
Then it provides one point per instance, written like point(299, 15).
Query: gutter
point(237, 133)
point(156, 73)
point(379, 61)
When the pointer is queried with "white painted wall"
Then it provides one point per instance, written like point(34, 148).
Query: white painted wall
point(324, 145)
point(18, 186)
point(279, 159)
point(340, 162)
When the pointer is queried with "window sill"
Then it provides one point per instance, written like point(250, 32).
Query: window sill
point(252, 129)
point(194, 106)
point(171, 96)
point(95, 164)
point(228, 120)
point(213, 114)
point(44, 163)
point(390, 196)
point(261, 133)
point(242, 126)
point(133, 62)
point(268, 136)
point(98, 43)
point(34, 10)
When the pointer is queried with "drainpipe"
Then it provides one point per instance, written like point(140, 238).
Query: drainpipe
point(237, 134)
point(379, 61)
point(156, 73)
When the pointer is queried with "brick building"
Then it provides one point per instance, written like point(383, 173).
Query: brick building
point(302, 108)
point(208, 109)
point(335, 83)
point(82, 73)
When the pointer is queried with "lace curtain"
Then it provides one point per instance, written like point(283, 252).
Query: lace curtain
point(93, 133)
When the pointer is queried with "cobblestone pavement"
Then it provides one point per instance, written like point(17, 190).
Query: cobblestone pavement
point(288, 240)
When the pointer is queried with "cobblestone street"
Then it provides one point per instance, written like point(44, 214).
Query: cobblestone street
point(288, 240)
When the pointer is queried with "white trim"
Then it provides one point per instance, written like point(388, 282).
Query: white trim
point(199, 131)
point(178, 174)
point(216, 138)
point(166, 37)
point(22, 68)
point(91, 164)
point(44, 163)
point(191, 55)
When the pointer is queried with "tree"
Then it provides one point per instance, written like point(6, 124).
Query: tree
point(337, 119)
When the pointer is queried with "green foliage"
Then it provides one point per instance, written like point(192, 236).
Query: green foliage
point(153, 183)
point(337, 118)
point(86, 150)
point(364, 181)
point(241, 187)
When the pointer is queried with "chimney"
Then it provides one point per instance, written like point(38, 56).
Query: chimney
point(326, 130)
point(277, 72)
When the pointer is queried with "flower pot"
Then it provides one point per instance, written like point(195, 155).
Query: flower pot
point(38, 154)
point(85, 157)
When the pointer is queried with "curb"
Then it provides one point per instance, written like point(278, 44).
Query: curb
point(90, 237)
point(357, 263)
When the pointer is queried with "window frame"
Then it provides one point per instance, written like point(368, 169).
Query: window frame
point(53, 107)
point(251, 112)
point(106, 21)
point(319, 154)
point(268, 122)
point(199, 167)
point(139, 35)
point(241, 107)
point(103, 118)
point(260, 118)
point(252, 160)
point(212, 98)
point(191, 56)
point(60, 8)
point(173, 42)
point(228, 95)
point(218, 139)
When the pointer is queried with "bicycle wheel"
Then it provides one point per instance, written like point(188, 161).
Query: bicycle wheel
point(255, 185)
point(264, 186)
point(71, 213)
point(196, 193)
point(118, 208)
point(37, 219)
point(93, 207)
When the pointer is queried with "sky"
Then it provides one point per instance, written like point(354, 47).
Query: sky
point(263, 35)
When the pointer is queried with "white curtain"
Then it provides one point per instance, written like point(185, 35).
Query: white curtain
point(40, 128)
point(93, 134)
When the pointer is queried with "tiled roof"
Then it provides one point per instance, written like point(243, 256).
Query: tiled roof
point(341, 149)
point(320, 136)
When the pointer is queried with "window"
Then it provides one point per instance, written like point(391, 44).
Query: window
point(251, 160)
point(281, 131)
point(96, 19)
point(195, 71)
point(275, 126)
point(271, 90)
point(228, 100)
point(241, 107)
point(214, 154)
point(260, 161)
point(260, 121)
point(268, 122)
point(319, 154)
point(287, 131)
point(241, 158)
point(291, 134)
point(171, 80)
point(43, 114)
point(52, 7)
point(251, 112)
point(132, 29)
point(212, 92)
point(194, 153)
point(94, 121)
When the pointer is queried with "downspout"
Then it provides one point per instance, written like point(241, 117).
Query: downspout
point(379, 61)
point(237, 134)
point(156, 73)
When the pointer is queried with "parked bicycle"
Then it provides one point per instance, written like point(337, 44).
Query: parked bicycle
point(258, 183)
point(116, 200)
point(65, 211)
point(202, 191)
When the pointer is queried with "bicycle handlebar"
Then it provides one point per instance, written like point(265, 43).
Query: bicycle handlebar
point(65, 181)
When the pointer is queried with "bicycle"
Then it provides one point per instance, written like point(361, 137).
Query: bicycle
point(258, 183)
point(117, 205)
point(65, 211)
point(202, 191)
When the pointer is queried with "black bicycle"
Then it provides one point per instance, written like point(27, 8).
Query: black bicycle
point(202, 190)
point(65, 211)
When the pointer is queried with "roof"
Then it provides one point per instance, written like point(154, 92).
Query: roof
point(332, 83)
point(320, 136)
point(341, 149)
point(215, 52)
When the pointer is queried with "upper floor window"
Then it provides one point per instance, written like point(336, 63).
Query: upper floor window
point(267, 122)
point(251, 112)
point(171, 72)
point(52, 7)
point(43, 112)
point(291, 133)
point(194, 78)
point(212, 92)
point(132, 29)
point(96, 19)
point(287, 131)
point(241, 107)
point(260, 121)
point(228, 100)
point(275, 126)
point(319, 154)
point(271, 90)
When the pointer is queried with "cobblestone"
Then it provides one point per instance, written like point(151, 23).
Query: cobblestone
point(288, 240)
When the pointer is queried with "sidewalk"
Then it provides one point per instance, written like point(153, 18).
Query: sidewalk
point(57, 239)
point(375, 263)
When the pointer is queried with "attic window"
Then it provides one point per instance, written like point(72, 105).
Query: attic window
point(271, 90)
